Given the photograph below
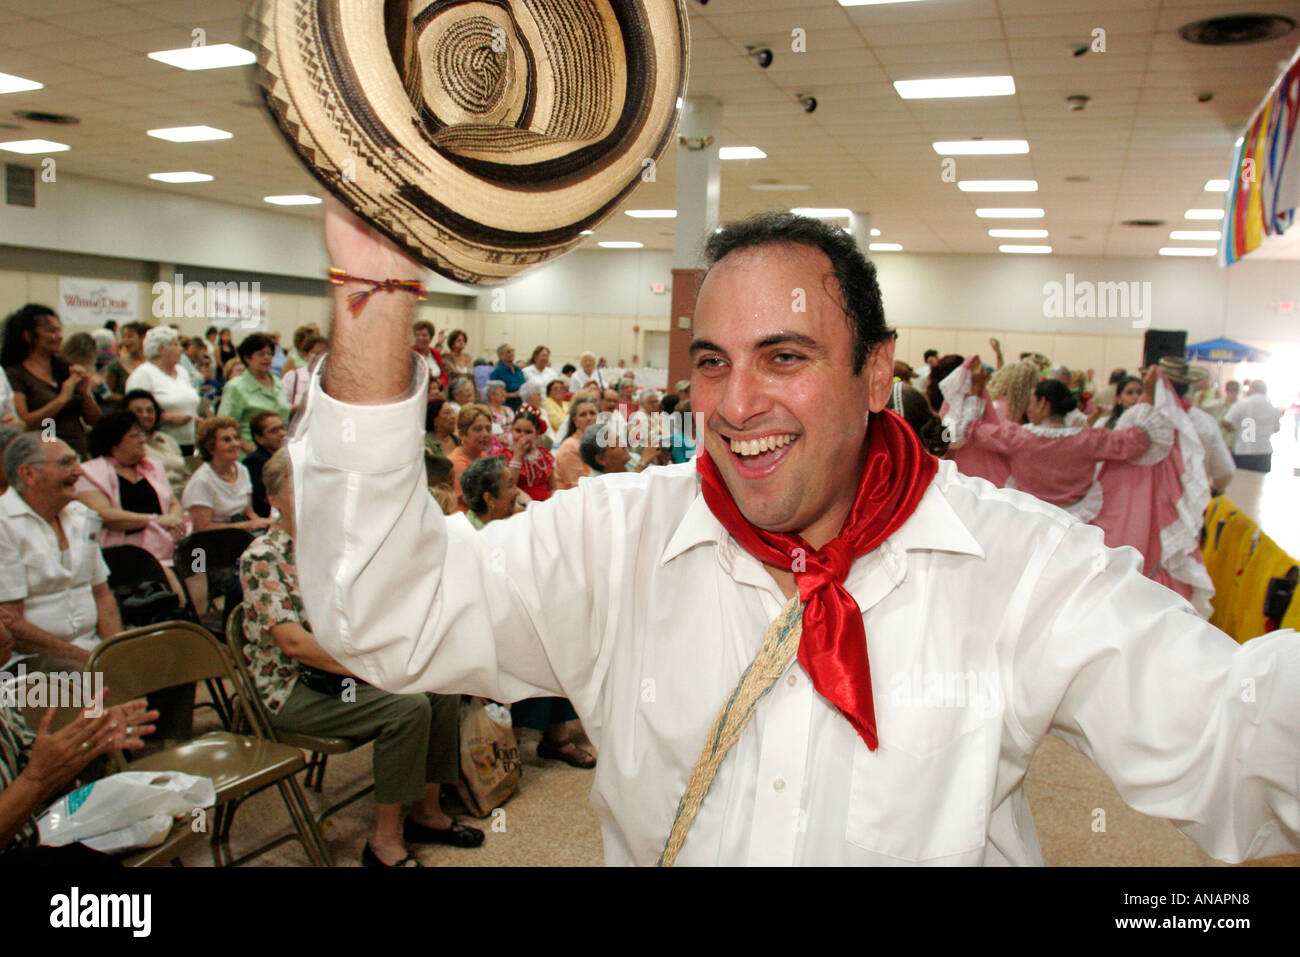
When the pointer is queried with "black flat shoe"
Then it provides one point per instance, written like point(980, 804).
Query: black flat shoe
point(458, 835)
point(370, 859)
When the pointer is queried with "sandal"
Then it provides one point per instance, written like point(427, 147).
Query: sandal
point(458, 835)
point(370, 859)
point(566, 751)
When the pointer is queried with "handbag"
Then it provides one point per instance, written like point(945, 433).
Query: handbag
point(149, 603)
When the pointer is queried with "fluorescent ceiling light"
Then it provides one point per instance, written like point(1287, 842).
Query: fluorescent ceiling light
point(1188, 251)
point(871, 3)
point(1200, 235)
point(885, 247)
point(205, 57)
point(651, 213)
point(817, 213)
point(955, 86)
point(875, 232)
point(187, 177)
point(1003, 213)
point(620, 245)
point(980, 147)
point(1203, 214)
point(587, 232)
point(741, 153)
point(1216, 185)
point(1018, 233)
point(190, 134)
point(16, 84)
point(34, 146)
point(998, 185)
point(298, 200)
point(779, 187)
point(1028, 250)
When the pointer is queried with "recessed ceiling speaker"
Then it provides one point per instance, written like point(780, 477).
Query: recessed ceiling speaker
point(1144, 223)
point(1237, 28)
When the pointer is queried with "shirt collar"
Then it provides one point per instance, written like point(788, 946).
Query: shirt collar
point(933, 526)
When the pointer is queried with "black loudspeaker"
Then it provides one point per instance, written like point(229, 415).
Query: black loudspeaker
point(1162, 342)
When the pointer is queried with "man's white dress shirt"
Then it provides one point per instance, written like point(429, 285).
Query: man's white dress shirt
point(1255, 420)
point(56, 587)
point(1218, 460)
point(991, 618)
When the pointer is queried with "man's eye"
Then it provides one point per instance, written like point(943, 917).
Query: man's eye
point(708, 362)
point(787, 357)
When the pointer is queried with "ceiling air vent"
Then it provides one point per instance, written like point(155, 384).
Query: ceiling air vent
point(20, 186)
point(1237, 28)
point(1144, 223)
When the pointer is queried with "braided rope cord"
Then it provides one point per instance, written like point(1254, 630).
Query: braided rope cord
point(780, 645)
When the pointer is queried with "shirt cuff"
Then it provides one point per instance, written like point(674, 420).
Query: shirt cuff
point(367, 439)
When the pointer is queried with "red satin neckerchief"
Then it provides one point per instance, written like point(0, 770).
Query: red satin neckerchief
point(833, 648)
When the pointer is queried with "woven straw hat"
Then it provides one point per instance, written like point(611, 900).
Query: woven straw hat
point(1180, 371)
point(484, 135)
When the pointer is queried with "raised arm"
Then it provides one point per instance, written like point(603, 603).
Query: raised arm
point(396, 592)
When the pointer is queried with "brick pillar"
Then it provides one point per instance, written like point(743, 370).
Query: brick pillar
point(686, 286)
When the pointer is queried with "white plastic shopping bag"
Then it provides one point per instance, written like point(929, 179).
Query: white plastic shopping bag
point(122, 801)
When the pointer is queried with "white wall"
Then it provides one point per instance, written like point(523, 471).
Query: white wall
point(590, 282)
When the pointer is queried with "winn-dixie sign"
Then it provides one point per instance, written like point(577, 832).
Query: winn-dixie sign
point(92, 302)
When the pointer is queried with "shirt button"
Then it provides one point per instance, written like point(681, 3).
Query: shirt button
point(778, 784)
point(792, 680)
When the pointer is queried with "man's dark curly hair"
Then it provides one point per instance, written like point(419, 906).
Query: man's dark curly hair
point(858, 291)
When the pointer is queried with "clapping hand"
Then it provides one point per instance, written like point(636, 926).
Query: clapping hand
point(56, 757)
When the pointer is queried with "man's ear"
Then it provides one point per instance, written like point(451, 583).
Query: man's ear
point(879, 374)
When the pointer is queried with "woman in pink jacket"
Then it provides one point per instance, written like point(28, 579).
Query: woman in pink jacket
point(129, 491)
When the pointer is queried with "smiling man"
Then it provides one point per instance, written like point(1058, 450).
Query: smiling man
point(943, 626)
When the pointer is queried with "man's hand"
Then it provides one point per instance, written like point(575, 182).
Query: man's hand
point(1149, 384)
point(361, 250)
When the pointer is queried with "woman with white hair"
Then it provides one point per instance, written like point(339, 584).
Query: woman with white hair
point(502, 415)
point(169, 383)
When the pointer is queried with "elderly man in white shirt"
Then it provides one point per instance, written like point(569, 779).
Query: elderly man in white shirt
point(989, 618)
point(53, 579)
point(587, 373)
point(1253, 420)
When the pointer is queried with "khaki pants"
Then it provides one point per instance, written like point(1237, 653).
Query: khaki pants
point(417, 736)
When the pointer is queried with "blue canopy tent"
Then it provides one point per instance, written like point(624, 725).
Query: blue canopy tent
point(1225, 350)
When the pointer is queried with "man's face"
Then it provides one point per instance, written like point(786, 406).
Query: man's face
point(272, 436)
point(765, 373)
point(615, 458)
point(53, 475)
point(588, 364)
point(608, 400)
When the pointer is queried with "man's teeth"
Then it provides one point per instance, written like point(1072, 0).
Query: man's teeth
point(768, 443)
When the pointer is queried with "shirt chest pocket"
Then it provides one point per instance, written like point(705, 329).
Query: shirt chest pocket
point(923, 794)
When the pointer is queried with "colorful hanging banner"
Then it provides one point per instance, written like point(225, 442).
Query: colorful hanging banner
point(1265, 177)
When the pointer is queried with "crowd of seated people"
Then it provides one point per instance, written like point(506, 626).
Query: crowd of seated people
point(157, 436)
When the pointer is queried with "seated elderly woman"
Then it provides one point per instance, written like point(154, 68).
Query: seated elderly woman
point(38, 766)
point(129, 491)
point(416, 736)
point(221, 492)
point(163, 375)
point(158, 445)
point(603, 450)
point(474, 425)
point(555, 407)
point(569, 466)
point(491, 494)
point(502, 415)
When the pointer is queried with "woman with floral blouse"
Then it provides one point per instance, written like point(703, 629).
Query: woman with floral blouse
point(416, 736)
